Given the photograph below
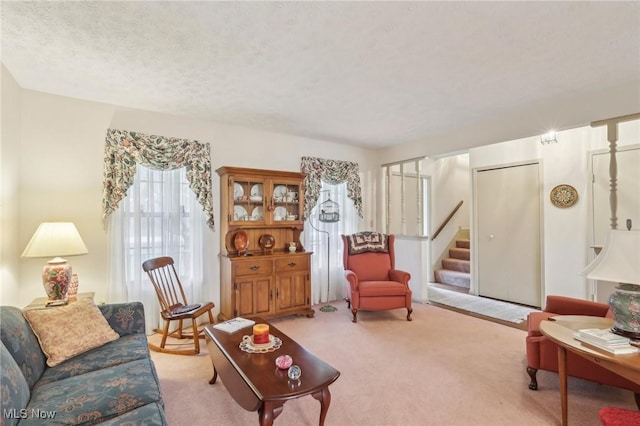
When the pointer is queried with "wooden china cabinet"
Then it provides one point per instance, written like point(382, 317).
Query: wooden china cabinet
point(261, 215)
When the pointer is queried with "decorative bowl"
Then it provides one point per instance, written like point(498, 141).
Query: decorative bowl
point(283, 362)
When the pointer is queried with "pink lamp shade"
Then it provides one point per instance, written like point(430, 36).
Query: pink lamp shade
point(56, 239)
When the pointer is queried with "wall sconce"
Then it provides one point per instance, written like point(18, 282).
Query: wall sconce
point(548, 138)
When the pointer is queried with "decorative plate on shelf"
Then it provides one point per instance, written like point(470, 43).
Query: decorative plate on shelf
point(564, 196)
point(267, 241)
point(256, 190)
point(256, 214)
point(239, 213)
point(238, 192)
point(280, 213)
point(279, 193)
point(241, 241)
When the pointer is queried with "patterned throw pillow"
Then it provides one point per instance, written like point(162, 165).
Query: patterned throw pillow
point(363, 242)
point(67, 331)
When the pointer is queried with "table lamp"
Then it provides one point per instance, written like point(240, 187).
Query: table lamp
point(55, 239)
point(619, 261)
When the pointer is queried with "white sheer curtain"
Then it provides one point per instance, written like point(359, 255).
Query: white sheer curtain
point(160, 216)
point(324, 240)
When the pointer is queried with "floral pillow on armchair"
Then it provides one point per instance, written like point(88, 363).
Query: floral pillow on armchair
point(368, 242)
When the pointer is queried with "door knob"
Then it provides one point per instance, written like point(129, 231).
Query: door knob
point(491, 236)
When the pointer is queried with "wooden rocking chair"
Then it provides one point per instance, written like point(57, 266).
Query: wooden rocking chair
point(174, 306)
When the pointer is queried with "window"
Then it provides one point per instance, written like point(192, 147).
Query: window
point(323, 239)
point(160, 216)
point(406, 190)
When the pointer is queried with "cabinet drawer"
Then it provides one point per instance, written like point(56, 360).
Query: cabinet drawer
point(294, 263)
point(253, 267)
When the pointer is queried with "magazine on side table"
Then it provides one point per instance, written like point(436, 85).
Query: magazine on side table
point(234, 324)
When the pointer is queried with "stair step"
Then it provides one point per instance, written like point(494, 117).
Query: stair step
point(459, 265)
point(460, 253)
point(463, 244)
point(458, 279)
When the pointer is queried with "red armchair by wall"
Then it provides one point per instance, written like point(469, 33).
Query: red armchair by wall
point(373, 283)
point(542, 354)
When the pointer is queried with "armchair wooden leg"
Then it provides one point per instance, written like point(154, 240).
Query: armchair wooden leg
point(348, 302)
point(637, 397)
point(409, 311)
point(355, 315)
point(533, 385)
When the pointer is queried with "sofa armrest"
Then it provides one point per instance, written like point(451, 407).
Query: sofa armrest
point(125, 318)
point(400, 276)
point(563, 305)
point(352, 278)
point(533, 322)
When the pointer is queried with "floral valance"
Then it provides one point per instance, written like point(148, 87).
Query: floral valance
point(124, 149)
point(333, 172)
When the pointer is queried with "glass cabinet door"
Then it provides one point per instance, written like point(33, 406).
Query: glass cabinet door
point(248, 201)
point(285, 202)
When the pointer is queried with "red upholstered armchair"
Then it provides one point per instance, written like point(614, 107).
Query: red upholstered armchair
point(542, 354)
point(373, 283)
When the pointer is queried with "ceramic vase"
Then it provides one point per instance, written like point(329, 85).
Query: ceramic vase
point(625, 305)
point(56, 276)
point(72, 294)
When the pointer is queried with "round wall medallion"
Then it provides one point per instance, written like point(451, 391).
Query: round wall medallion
point(564, 196)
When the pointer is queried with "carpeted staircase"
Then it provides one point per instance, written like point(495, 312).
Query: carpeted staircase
point(456, 268)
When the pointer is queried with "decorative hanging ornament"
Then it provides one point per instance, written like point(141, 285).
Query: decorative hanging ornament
point(329, 211)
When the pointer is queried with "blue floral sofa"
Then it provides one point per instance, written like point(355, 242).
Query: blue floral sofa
point(114, 384)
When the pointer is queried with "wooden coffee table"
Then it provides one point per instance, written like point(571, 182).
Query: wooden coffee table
point(559, 329)
point(254, 381)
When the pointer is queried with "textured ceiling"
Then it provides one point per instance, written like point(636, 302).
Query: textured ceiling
point(372, 74)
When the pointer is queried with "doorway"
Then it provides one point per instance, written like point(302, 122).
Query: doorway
point(509, 233)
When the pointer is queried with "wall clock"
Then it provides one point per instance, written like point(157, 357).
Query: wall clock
point(564, 196)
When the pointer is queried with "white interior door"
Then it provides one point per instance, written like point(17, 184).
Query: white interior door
point(628, 206)
point(508, 209)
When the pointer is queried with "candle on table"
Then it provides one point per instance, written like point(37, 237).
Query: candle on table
point(261, 333)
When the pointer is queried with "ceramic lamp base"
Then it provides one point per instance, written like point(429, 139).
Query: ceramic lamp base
point(56, 276)
point(625, 305)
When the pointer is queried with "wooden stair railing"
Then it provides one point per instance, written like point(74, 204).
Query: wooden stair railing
point(446, 221)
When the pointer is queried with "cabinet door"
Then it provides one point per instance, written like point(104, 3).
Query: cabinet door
point(247, 201)
point(291, 291)
point(253, 296)
point(286, 202)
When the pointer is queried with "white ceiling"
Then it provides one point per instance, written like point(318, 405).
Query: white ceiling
point(371, 74)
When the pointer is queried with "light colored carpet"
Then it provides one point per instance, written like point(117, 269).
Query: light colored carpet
point(480, 305)
point(442, 368)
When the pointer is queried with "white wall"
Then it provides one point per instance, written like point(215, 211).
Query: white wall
point(566, 232)
point(58, 145)
point(9, 212)
point(61, 165)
